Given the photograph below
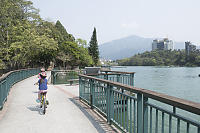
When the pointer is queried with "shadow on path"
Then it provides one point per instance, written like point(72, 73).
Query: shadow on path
point(35, 109)
point(100, 124)
point(35, 91)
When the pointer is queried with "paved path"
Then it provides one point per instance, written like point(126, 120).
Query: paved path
point(65, 114)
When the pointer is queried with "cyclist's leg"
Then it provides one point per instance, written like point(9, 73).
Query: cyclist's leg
point(39, 96)
point(45, 96)
point(38, 99)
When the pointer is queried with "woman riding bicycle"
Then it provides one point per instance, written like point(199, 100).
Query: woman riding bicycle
point(42, 85)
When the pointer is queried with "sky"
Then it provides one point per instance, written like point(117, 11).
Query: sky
point(178, 20)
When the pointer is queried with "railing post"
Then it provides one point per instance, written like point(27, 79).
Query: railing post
point(91, 93)
point(132, 79)
point(52, 77)
point(80, 87)
point(8, 84)
point(145, 115)
point(106, 76)
point(118, 76)
point(109, 103)
point(139, 114)
point(112, 103)
point(6, 87)
point(23, 77)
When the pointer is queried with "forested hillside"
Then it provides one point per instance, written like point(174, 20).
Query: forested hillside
point(163, 58)
point(129, 46)
point(26, 40)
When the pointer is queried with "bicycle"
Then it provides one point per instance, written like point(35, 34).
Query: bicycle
point(43, 102)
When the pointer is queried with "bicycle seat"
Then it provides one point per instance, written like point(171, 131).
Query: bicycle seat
point(43, 91)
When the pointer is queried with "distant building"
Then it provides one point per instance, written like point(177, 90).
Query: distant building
point(189, 47)
point(154, 44)
point(164, 44)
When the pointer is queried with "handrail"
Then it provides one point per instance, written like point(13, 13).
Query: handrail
point(118, 72)
point(66, 70)
point(8, 73)
point(4, 75)
point(69, 74)
point(187, 105)
point(97, 74)
point(174, 101)
point(134, 109)
point(7, 80)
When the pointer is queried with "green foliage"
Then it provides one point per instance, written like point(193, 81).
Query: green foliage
point(81, 42)
point(27, 41)
point(163, 58)
point(17, 22)
point(2, 65)
point(63, 36)
point(93, 48)
point(71, 52)
point(85, 58)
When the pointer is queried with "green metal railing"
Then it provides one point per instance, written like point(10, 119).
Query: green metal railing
point(137, 110)
point(10, 78)
point(126, 78)
point(62, 76)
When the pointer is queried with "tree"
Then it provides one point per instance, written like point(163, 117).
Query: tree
point(163, 58)
point(26, 40)
point(85, 58)
point(81, 42)
point(2, 65)
point(17, 19)
point(63, 36)
point(93, 48)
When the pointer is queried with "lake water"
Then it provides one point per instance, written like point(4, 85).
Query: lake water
point(181, 82)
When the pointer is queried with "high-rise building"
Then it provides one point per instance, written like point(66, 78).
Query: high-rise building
point(189, 47)
point(164, 44)
point(154, 44)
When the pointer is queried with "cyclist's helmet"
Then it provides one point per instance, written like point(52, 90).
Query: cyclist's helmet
point(42, 70)
point(43, 74)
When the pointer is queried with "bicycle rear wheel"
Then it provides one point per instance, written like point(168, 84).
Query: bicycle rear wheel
point(44, 105)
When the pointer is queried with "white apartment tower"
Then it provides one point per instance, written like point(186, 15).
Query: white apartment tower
point(164, 44)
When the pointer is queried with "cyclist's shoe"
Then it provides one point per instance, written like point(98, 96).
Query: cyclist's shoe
point(38, 101)
point(40, 106)
point(47, 102)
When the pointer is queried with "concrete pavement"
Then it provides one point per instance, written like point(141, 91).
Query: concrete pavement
point(65, 114)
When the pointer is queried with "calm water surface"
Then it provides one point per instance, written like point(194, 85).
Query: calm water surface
point(182, 82)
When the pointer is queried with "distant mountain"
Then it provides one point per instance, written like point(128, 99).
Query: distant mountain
point(129, 46)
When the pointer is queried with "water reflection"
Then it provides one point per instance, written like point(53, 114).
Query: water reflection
point(63, 77)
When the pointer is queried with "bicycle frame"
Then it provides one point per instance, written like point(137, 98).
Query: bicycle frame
point(43, 102)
